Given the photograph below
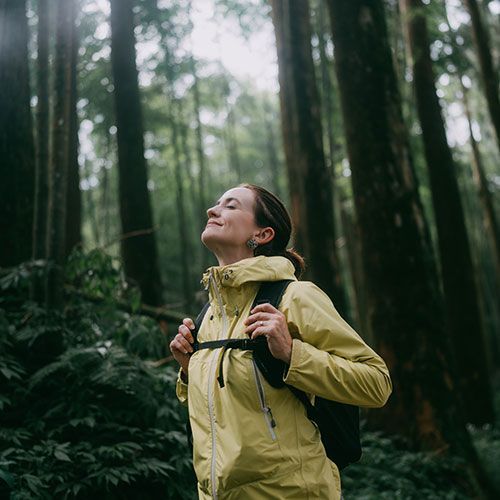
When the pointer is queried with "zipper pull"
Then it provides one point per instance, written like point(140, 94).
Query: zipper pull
point(271, 418)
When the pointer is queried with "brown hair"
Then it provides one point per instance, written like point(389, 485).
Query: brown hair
point(270, 211)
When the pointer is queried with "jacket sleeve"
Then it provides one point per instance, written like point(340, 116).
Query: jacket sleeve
point(329, 359)
point(181, 389)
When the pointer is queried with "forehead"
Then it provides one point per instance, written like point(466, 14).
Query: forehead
point(243, 195)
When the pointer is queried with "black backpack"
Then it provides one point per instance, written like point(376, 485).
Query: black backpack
point(338, 423)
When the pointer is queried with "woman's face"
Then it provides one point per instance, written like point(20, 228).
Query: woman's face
point(231, 222)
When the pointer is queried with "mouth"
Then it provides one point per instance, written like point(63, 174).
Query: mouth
point(213, 223)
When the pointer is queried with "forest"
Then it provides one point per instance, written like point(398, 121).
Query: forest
point(377, 122)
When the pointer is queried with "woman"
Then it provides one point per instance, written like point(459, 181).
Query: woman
point(243, 450)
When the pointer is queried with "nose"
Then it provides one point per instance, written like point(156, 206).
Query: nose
point(212, 212)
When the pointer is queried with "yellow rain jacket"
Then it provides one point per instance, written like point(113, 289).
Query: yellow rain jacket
point(251, 440)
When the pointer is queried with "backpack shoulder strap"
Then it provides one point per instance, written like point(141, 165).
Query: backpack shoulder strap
point(271, 292)
point(197, 324)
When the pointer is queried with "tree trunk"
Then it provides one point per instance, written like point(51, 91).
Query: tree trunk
point(485, 196)
point(403, 297)
point(232, 145)
point(202, 184)
point(42, 125)
point(42, 148)
point(56, 238)
point(309, 179)
point(139, 244)
point(74, 197)
point(17, 154)
point(488, 74)
point(184, 243)
point(272, 153)
point(461, 299)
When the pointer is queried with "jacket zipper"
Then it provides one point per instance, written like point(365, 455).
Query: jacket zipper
point(210, 389)
point(268, 416)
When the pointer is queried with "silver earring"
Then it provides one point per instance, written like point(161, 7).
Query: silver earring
point(252, 244)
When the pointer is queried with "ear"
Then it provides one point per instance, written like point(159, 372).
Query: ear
point(265, 235)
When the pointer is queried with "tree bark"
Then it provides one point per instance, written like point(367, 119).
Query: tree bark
point(488, 74)
point(202, 172)
point(56, 237)
point(403, 298)
point(485, 197)
point(42, 125)
point(309, 179)
point(461, 298)
point(17, 154)
point(74, 197)
point(139, 253)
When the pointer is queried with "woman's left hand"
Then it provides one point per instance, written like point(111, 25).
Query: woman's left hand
point(266, 320)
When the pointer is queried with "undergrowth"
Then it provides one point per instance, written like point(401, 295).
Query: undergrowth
point(84, 414)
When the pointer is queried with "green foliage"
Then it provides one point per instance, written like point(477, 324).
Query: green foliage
point(388, 472)
point(82, 412)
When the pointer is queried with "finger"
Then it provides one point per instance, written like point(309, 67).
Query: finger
point(177, 349)
point(260, 316)
point(189, 323)
point(266, 307)
point(186, 347)
point(186, 333)
point(261, 331)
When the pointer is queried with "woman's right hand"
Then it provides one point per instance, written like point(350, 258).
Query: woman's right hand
point(181, 347)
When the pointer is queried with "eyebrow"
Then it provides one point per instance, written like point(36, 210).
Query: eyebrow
point(229, 199)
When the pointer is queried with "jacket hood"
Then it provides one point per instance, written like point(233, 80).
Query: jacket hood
point(260, 268)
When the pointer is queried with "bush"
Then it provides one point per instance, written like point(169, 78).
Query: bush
point(82, 412)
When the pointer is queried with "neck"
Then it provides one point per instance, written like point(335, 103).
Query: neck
point(230, 256)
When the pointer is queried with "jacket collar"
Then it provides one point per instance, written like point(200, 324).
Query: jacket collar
point(260, 268)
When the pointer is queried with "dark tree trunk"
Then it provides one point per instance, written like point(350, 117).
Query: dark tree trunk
point(74, 197)
point(485, 196)
point(42, 125)
point(403, 297)
point(139, 242)
point(354, 256)
point(17, 154)
point(309, 180)
point(461, 299)
point(56, 238)
point(42, 148)
point(488, 74)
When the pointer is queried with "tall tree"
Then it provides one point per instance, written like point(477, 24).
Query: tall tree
point(42, 147)
point(138, 243)
point(310, 182)
point(74, 196)
point(272, 153)
point(485, 196)
point(461, 298)
point(57, 209)
point(202, 164)
point(402, 293)
point(17, 153)
point(488, 74)
point(42, 126)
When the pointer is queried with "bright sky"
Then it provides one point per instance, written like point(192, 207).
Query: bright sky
point(255, 58)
